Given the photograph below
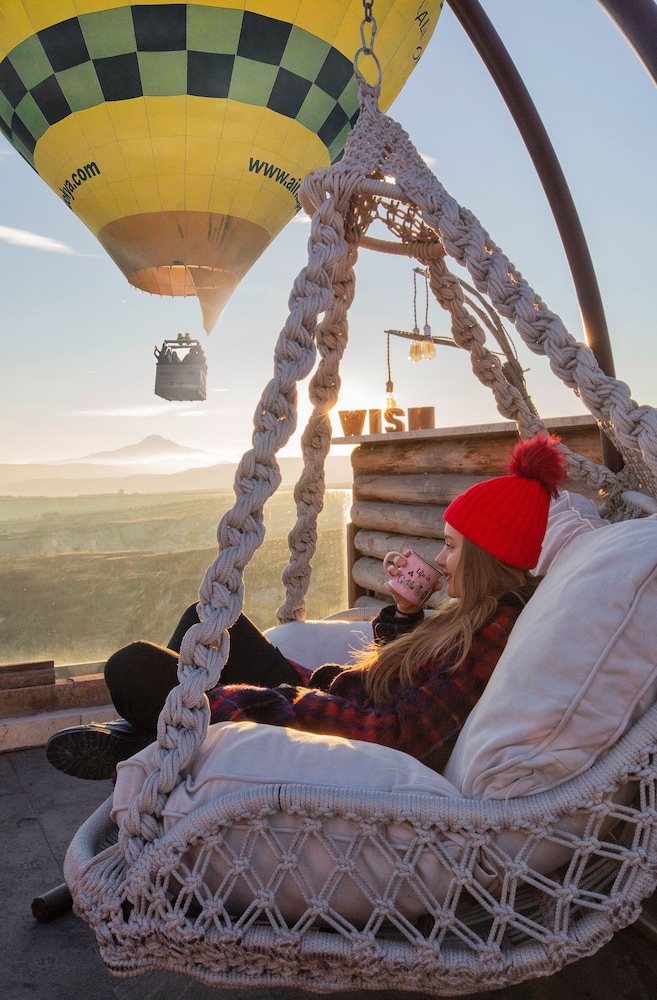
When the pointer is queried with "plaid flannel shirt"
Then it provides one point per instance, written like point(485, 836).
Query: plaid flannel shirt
point(419, 720)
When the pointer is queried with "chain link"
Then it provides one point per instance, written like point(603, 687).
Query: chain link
point(368, 50)
point(367, 47)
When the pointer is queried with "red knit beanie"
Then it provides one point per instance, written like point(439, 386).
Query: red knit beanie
point(507, 516)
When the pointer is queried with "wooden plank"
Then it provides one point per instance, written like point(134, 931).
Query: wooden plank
point(22, 675)
point(425, 488)
point(428, 488)
point(402, 518)
point(368, 574)
point(67, 693)
point(464, 455)
point(353, 590)
point(467, 453)
point(378, 543)
point(369, 602)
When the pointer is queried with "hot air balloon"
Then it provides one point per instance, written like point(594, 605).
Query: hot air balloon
point(180, 133)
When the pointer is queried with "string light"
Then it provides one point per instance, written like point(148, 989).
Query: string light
point(422, 344)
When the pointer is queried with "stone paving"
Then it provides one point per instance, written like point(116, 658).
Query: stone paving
point(40, 810)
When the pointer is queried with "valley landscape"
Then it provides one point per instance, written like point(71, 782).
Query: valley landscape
point(84, 573)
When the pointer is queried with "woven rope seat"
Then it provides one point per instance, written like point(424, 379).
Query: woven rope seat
point(209, 896)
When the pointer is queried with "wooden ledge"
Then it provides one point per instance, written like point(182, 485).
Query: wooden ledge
point(472, 430)
point(22, 675)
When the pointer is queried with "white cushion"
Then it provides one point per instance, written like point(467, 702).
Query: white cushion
point(580, 666)
point(313, 643)
point(571, 515)
point(236, 755)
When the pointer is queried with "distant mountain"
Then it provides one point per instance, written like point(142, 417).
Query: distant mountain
point(154, 465)
point(153, 448)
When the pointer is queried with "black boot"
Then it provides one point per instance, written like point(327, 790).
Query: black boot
point(94, 750)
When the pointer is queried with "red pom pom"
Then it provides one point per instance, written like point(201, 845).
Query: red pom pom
point(540, 458)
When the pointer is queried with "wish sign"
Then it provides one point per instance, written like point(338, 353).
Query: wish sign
point(420, 418)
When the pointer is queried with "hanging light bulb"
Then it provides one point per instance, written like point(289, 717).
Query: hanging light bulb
point(415, 352)
point(391, 402)
point(428, 346)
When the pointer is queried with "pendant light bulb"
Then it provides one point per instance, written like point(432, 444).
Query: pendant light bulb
point(415, 352)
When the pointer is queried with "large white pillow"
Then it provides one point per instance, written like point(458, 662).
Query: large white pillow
point(238, 755)
point(580, 666)
point(312, 643)
point(571, 515)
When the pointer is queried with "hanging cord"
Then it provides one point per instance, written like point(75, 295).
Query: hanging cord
point(416, 328)
point(389, 382)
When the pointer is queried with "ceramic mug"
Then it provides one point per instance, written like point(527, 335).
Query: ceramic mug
point(416, 580)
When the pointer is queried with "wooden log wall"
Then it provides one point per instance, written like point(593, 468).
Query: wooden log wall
point(404, 481)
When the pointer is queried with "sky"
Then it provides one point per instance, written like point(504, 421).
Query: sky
point(77, 367)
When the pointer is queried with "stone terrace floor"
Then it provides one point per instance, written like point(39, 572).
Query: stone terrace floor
point(40, 810)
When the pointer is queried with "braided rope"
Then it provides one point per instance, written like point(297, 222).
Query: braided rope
point(324, 387)
point(183, 723)
point(145, 869)
point(377, 147)
point(632, 428)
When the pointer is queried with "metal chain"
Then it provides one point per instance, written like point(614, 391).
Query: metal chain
point(367, 47)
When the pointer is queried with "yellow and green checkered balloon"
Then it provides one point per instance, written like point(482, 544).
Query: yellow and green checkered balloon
point(180, 133)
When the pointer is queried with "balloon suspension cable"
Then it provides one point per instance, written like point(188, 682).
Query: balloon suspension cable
point(367, 47)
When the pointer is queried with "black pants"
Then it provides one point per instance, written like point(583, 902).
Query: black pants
point(140, 676)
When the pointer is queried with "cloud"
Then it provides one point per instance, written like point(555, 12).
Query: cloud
point(429, 160)
point(21, 238)
point(145, 410)
point(167, 408)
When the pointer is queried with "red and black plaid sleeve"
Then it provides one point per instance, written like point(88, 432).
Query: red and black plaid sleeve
point(418, 720)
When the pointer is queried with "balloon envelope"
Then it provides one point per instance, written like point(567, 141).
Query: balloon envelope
point(180, 133)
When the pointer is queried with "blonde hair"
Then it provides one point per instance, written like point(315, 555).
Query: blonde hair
point(481, 580)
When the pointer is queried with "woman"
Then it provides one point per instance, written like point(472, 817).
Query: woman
point(412, 689)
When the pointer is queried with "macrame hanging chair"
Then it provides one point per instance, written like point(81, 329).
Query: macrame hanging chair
point(151, 906)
